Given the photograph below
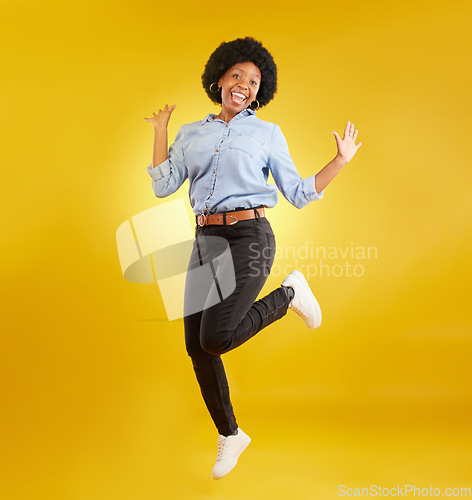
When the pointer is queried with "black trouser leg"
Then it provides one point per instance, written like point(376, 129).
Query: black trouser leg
point(227, 270)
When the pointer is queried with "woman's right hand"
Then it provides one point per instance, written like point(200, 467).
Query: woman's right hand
point(162, 118)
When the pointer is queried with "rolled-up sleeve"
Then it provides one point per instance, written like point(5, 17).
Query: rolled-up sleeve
point(169, 175)
point(299, 192)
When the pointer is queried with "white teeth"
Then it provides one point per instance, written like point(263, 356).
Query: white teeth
point(238, 96)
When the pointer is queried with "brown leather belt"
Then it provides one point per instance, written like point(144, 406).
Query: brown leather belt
point(229, 218)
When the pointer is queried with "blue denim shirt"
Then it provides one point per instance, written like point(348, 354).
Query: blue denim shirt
point(228, 165)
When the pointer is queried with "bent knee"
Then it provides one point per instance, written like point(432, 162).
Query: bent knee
point(195, 350)
point(214, 346)
point(203, 349)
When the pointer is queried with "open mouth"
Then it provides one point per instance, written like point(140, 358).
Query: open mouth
point(238, 98)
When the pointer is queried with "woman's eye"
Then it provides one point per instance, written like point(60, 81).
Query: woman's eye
point(236, 75)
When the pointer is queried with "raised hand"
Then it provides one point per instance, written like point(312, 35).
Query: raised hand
point(162, 118)
point(347, 146)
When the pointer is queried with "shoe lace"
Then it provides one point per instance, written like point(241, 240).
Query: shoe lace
point(298, 311)
point(221, 449)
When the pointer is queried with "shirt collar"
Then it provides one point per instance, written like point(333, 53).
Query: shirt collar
point(245, 112)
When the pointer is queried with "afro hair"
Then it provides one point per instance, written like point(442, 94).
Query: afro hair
point(241, 50)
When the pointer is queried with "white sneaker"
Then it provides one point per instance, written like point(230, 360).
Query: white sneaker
point(304, 302)
point(229, 449)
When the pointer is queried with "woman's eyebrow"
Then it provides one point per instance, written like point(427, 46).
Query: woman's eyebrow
point(253, 74)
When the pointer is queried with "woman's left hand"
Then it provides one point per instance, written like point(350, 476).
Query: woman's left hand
point(347, 146)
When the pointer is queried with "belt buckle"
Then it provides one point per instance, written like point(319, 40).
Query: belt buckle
point(235, 220)
point(201, 219)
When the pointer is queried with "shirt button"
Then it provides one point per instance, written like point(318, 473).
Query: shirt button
point(214, 171)
point(217, 150)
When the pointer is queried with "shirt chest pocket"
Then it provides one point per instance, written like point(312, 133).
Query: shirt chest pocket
point(247, 144)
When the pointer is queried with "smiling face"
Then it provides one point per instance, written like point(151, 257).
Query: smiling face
point(239, 86)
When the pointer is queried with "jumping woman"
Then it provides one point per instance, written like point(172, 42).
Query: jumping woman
point(227, 159)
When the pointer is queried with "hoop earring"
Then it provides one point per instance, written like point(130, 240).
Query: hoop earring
point(254, 109)
point(214, 91)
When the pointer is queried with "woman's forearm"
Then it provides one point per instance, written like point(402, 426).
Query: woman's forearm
point(159, 153)
point(328, 173)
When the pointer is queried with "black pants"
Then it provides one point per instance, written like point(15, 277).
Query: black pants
point(228, 267)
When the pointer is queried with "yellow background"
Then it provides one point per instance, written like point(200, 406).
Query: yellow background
point(99, 399)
